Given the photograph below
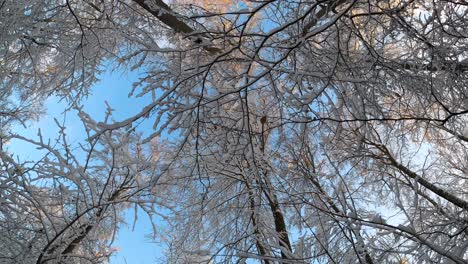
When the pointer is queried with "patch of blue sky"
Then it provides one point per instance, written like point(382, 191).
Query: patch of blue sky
point(135, 244)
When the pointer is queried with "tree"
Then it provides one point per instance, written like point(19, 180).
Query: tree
point(303, 131)
point(66, 207)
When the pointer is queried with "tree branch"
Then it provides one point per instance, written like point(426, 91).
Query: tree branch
point(170, 19)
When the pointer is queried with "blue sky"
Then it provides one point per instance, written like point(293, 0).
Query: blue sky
point(135, 245)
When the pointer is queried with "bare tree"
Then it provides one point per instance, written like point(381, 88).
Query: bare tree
point(303, 131)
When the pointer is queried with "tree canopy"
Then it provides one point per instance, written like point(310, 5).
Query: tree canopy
point(331, 131)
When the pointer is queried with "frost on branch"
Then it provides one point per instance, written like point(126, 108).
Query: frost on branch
point(296, 131)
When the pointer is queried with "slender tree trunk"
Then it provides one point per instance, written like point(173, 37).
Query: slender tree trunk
point(253, 217)
point(439, 191)
point(278, 217)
